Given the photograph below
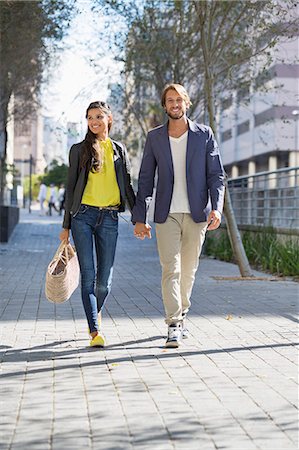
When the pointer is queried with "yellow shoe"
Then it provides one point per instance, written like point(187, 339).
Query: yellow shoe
point(97, 341)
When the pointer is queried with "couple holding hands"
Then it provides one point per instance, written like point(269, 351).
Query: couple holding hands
point(188, 202)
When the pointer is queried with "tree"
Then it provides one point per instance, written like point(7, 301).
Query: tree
point(55, 173)
point(35, 185)
point(29, 33)
point(216, 45)
point(230, 36)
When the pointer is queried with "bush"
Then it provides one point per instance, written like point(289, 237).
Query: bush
point(35, 184)
point(263, 249)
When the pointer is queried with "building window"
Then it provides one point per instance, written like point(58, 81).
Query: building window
point(243, 93)
point(243, 127)
point(226, 135)
point(275, 112)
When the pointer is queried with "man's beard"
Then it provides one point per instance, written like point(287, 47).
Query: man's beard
point(179, 116)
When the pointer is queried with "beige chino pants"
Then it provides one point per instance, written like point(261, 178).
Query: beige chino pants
point(179, 241)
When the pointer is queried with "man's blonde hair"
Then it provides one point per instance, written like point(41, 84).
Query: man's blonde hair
point(179, 89)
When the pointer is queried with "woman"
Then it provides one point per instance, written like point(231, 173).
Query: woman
point(98, 186)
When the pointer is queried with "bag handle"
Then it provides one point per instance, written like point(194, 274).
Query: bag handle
point(62, 253)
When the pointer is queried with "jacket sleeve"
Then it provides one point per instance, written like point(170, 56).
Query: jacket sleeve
point(145, 182)
point(215, 173)
point(130, 194)
point(74, 161)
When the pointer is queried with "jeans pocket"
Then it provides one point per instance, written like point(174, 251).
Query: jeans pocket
point(114, 215)
point(83, 209)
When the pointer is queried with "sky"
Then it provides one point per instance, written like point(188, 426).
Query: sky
point(74, 83)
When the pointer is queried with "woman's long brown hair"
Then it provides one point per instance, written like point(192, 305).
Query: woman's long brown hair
point(89, 156)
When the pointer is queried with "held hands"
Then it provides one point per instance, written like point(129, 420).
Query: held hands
point(64, 235)
point(214, 220)
point(142, 230)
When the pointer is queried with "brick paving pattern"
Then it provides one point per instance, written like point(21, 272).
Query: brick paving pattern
point(232, 385)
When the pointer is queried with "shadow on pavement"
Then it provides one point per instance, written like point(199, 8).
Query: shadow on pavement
point(22, 355)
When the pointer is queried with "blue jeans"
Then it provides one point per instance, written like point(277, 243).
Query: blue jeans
point(91, 228)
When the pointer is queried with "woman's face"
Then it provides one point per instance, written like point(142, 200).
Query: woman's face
point(98, 122)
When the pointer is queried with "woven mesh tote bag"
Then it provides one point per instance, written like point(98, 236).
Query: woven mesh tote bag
point(62, 276)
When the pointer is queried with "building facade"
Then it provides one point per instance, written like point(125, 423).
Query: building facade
point(259, 128)
point(28, 145)
point(55, 140)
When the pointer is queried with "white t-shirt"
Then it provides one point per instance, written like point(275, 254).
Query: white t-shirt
point(179, 201)
point(52, 198)
point(42, 192)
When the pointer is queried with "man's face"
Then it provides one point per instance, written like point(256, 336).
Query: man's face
point(175, 105)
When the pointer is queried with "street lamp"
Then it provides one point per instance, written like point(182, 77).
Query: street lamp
point(30, 161)
point(30, 182)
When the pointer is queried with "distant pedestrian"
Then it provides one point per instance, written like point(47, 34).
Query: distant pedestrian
point(99, 185)
point(42, 195)
point(52, 199)
point(189, 201)
point(61, 198)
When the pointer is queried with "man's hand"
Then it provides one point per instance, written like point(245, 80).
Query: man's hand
point(142, 230)
point(64, 235)
point(214, 220)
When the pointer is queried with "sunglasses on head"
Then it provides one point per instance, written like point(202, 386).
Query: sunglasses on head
point(99, 104)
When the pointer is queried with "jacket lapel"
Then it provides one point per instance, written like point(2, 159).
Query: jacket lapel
point(192, 142)
point(116, 154)
point(164, 145)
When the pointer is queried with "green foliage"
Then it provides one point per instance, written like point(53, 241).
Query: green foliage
point(219, 247)
point(28, 30)
point(264, 251)
point(35, 184)
point(208, 45)
point(56, 173)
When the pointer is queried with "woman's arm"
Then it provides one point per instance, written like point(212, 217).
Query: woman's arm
point(130, 194)
point(74, 162)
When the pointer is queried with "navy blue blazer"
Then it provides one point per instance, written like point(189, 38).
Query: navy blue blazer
point(204, 172)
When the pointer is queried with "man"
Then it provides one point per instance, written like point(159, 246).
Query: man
point(61, 198)
point(189, 201)
point(52, 199)
point(42, 197)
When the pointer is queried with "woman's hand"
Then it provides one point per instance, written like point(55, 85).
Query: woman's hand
point(64, 235)
point(142, 230)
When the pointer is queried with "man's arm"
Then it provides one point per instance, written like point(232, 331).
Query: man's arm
point(145, 182)
point(215, 176)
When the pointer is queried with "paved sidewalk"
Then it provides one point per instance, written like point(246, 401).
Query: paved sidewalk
point(232, 385)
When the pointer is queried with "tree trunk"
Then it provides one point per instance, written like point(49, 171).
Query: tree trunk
point(233, 232)
point(232, 228)
point(235, 237)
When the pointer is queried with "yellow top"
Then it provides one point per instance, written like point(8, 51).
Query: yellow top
point(102, 188)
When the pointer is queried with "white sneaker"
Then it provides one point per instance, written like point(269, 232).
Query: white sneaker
point(185, 331)
point(174, 335)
